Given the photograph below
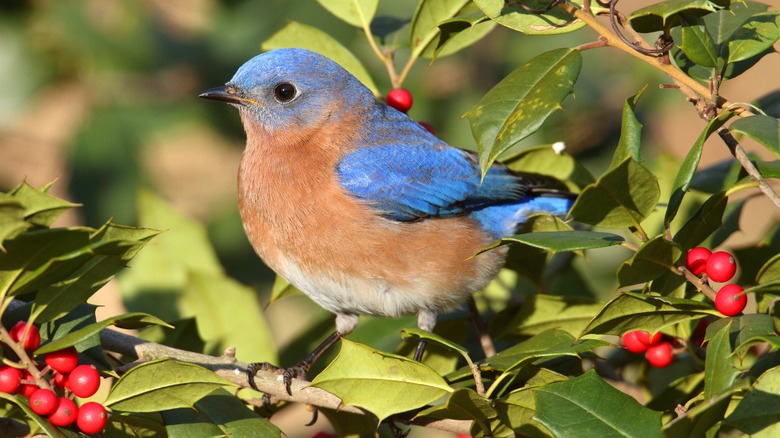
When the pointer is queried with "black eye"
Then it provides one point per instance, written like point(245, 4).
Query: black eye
point(284, 92)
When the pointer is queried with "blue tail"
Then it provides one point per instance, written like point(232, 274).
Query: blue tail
point(502, 220)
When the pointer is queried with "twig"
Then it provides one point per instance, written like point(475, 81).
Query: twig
point(739, 153)
point(696, 281)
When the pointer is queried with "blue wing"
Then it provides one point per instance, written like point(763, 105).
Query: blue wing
point(407, 183)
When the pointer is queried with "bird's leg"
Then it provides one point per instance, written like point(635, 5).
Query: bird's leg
point(484, 336)
point(426, 320)
point(299, 370)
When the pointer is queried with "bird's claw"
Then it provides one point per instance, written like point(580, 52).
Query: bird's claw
point(288, 374)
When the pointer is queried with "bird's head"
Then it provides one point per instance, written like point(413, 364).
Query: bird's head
point(291, 89)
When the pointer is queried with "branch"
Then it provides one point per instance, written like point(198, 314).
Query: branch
point(661, 63)
point(228, 367)
point(739, 153)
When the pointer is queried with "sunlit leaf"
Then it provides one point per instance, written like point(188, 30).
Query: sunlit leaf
point(358, 374)
point(561, 241)
point(630, 132)
point(162, 384)
point(697, 43)
point(763, 129)
point(758, 414)
point(514, 16)
point(355, 12)
point(758, 34)
point(426, 19)
point(519, 104)
point(545, 312)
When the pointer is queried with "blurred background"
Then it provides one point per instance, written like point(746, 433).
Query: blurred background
point(101, 96)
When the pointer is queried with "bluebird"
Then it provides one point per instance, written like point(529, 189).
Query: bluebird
point(358, 205)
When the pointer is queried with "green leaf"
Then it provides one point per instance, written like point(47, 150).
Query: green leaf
point(514, 16)
point(463, 404)
point(588, 406)
point(229, 315)
point(719, 370)
point(359, 374)
point(121, 424)
point(162, 384)
point(519, 104)
point(282, 288)
point(630, 132)
point(545, 312)
point(223, 412)
point(622, 197)
point(632, 311)
point(422, 334)
point(705, 221)
point(460, 32)
point(758, 414)
point(757, 35)
point(547, 344)
point(40, 207)
point(731, 218)
point(664, 15)
point(697, 43)
point(697, 421)
point(723, 24)
point(355, 12)
point(770, 271)
point(58, 299)
point(562, 241)
point(763, 129)
point(426, 19)
point(545, 160)
point(743, 330)
point(654, 258)
point(685, 175)
point(11, 218)
point(127, 321)
point(295, 34)
point(517, 411)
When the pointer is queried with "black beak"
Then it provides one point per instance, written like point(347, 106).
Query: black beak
point(225, 93)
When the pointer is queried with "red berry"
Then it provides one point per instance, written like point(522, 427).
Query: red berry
point(646, 339)
point(43, 401)
point(31, 341)
point(697, 259)
point(400, 99)
point(60, 380)
point(730, 300)
point(428, 127)
point(721, 266)
point(26, 389)
point(63, 360)
point(9, 379)
point(92, 418)
point(632, 343)
point(65, 414)
point(84, 380)
point(660, 355)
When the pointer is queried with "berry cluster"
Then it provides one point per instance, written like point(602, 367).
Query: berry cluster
point(730, 300)
point(68, 379)
point(657, 350)
point(720, 267)
point(401, 99)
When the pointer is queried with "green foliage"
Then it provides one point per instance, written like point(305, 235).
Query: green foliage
point(569, 292)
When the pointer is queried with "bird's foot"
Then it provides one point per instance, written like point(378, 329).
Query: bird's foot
point(288, 374)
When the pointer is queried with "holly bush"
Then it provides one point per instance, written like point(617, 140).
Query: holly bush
point(559, 367)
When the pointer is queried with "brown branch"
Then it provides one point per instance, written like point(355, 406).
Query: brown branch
point(696, 281)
